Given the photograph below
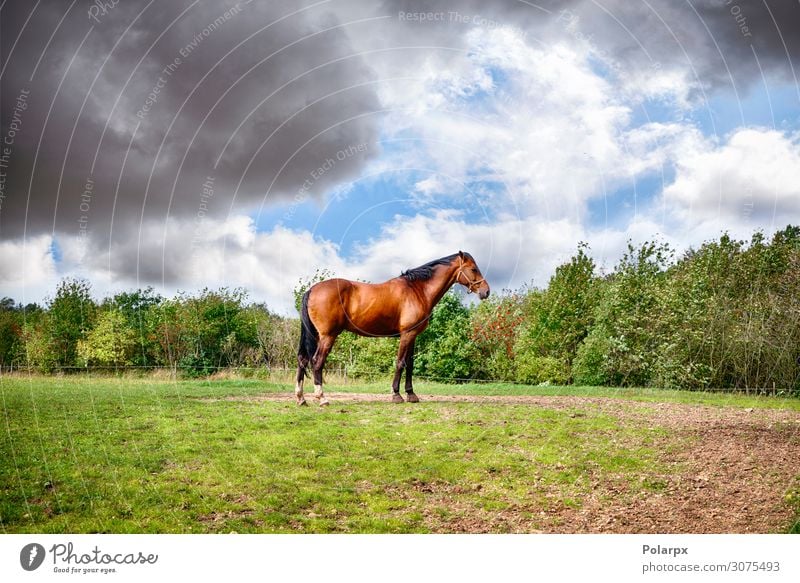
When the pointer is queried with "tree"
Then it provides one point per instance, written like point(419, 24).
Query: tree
point(494, 326)
point(730, 315)
point(10, 332)
point(135, 306)
point(111, 342)
point(444, 349)
point(557, 320)
point(39, 351)
point(622, 348)
point(276, 338)
point(72, 313)
point(168, 332)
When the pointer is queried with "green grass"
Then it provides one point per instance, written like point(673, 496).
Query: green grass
point(140, 455)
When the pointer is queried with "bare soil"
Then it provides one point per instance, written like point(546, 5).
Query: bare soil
point(728, 471)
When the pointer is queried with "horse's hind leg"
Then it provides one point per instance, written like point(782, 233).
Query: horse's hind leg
point(323, 349)
point(302, 363)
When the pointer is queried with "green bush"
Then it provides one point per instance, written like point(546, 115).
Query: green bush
point(536, 370)
point(72, 313)
point(493, 330)
point(590, 367)
point(724, 315)
point(112, 342)
point(40, 352)
point(445, 350)
point(365, 357)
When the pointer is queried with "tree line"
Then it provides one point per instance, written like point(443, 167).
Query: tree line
point(723, 316)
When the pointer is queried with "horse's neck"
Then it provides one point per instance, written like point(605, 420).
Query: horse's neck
point(438, 285)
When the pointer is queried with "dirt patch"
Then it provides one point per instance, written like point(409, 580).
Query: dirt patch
point(728, 469)
point(669, 414)
point(727, 478)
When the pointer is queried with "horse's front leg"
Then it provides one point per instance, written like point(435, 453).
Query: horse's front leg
point(411, 396)
point(406, 343)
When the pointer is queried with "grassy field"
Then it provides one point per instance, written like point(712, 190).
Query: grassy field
point(128, 455)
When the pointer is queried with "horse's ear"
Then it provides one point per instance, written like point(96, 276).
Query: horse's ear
point(461, 254)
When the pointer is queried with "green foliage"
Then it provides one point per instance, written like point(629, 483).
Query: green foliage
point(493, 330)
point(168, 333)
point(363, 357)
point(11, 321)
point(111, 342)
point(135, 306)
point(730, 315)
point(724, 315)
point(72, 314)
point(40, 352)
point(591, 366)
point(444, 349)
point(627, 319)
point(557, 320)
point(536, 370)
point(212, 327)
point(276, 339)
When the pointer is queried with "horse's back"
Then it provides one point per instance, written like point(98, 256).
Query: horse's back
point(363, 308)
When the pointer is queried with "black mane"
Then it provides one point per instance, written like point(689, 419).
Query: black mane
point(424, 272)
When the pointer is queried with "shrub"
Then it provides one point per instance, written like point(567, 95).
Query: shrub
point(591, 366)
point(444, 350)
point(536, 370)
point(111, 342)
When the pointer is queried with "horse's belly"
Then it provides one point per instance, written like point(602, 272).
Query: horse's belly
point(373, 324)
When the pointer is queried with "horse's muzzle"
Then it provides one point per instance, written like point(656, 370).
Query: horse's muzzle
point(483, 293)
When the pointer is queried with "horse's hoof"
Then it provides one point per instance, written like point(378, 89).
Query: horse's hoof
point(396, 398)
point(324, 403)
point(302, 403)
point(411, 397)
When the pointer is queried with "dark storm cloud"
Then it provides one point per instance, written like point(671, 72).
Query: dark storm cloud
point(174, 73)
point(753, 32)
point(118, 117)
point(720, 42)
point(724, 44)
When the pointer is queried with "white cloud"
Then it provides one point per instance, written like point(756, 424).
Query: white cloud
point(231, 253)
point(27, 261)
point(750, 181)
point(510, 252)
point(27, 268)
point(184, 255)
point(553, 130)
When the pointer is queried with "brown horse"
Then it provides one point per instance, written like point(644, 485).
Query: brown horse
point(398, 307)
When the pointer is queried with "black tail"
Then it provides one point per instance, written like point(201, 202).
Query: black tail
point(308, 335)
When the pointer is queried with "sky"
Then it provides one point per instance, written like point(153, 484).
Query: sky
point(195, 144)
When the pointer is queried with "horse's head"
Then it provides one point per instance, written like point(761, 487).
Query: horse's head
point(468, 275)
